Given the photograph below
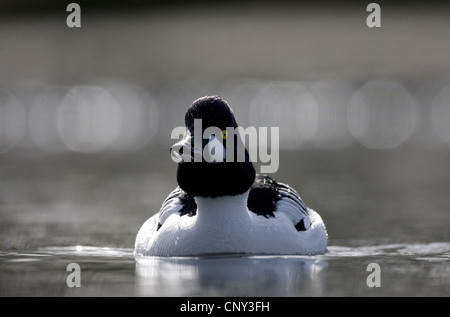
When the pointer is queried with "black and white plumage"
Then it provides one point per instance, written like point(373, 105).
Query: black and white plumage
point(224, 207)
point(263, 198)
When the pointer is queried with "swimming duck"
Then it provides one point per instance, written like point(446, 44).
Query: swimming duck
point(223, 207)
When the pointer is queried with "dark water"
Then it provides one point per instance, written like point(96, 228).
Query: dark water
point(58, 210)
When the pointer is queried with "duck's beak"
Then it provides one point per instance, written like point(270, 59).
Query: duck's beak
point(185, 150)
point(208, 150)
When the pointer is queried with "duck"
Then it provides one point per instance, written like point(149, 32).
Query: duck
point(223, 206)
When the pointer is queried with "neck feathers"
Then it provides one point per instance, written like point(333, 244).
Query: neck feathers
point(222, 206)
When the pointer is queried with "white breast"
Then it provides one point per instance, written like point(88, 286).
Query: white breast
point(225, 225)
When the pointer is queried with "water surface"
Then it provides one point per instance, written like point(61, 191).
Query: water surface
point(406, 270)
point(389, 208)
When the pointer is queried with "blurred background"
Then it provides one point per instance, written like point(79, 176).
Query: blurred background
point(86, 113)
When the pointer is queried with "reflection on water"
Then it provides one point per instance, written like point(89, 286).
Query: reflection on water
point(420, 269)
point(230, 276)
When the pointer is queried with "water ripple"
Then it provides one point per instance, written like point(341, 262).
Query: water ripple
point(82, 251)
point(434, 250)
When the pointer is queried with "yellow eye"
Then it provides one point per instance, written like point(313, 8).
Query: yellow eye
point(224, 134)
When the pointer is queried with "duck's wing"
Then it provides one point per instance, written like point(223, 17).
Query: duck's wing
point(178, 202)
point(269, 198)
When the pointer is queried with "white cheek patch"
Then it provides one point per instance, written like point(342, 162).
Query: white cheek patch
point(214, 151)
